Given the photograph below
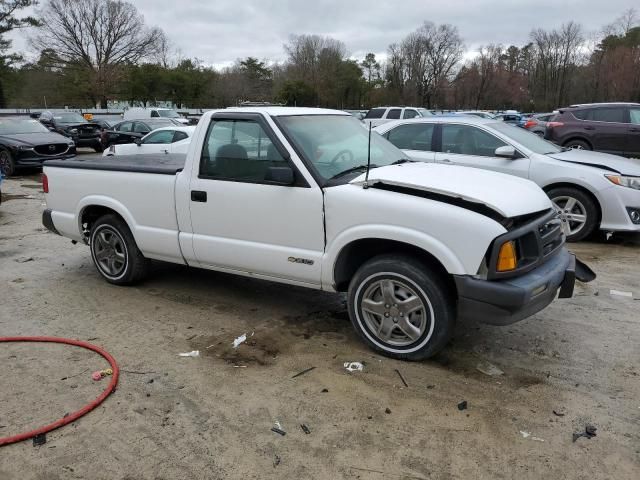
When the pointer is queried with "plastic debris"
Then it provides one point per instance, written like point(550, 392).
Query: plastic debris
point(402, 378)
point(353, 366)
point(240, 340)
point(589, 433)
point(620, 293)
point(100, 374)
point(303, 372)
point(39, 439)
point(305, 429)
point(462, 405)
point(558, 414)
point(528, 435)
point(278, 431)
point(489, 369)
point(276, 461)
point(193, 353)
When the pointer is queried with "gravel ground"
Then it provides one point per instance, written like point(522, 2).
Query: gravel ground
point(210, 417)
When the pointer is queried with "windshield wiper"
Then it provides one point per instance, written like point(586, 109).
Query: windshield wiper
point(352, 169)
point(401, 161)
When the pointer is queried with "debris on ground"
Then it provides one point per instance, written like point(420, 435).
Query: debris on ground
point(324, 390)
point(303, 372)
point(276, 461)
point(387, 411)
point(589, 432)
point(240, 340)
point(278, 431)
point(39, 439)
point(24, 260)
point(353, 366)
point(620, 293)
point(193, 353)
point(558, 414)
point(305, 429)
point(462, 405)
point(489, 369)
point(100, 374)
point(402, 378)
point(528, 435)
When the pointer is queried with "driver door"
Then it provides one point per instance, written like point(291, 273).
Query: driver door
point(157, 142)
point(244, 222)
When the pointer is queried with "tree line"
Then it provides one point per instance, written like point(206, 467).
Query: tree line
point(91, 52)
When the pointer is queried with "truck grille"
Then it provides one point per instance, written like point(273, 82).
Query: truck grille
point(52, 149)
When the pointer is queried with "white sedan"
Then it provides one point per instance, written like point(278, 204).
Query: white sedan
point(590, 190)
point(162, 140)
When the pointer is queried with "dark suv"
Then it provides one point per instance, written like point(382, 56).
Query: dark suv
point(605, 127)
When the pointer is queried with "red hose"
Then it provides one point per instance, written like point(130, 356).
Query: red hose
point(75, 415)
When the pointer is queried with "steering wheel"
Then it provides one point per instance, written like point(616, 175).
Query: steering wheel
point(340, 156)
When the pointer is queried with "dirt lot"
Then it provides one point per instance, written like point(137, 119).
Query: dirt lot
point(210, 417)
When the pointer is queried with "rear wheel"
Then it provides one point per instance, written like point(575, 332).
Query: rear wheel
point(401, 307)
point(98, 147)
point(578, 145)
point(115, 253)
point(7, 164)
point(577, 211)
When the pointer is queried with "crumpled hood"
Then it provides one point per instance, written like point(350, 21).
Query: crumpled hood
point(508, 195)
point(608, 162)
point(33, 139)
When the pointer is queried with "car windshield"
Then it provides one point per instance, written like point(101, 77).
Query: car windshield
point(168, 113)
point(337, 144)
point(425, 113)
point(69, 118)
point(13, 127)
point(525, 138)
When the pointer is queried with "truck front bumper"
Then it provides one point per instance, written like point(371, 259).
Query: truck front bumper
point(502, 302)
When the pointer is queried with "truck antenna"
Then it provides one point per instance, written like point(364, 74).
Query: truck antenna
point(365, 185)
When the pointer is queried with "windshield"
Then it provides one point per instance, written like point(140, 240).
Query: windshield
point(69, 118)
point(335, 144)
point(425, 113)
point(168, 113)
point(525, 138)
point(13, 127)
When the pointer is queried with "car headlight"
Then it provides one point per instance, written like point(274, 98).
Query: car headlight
point(625, 181)
point(73, 131)
point(25, 147)
point(72, 144)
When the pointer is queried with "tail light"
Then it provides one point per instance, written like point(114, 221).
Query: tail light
point(530, 123)
point(554, 124)
point(45, 183)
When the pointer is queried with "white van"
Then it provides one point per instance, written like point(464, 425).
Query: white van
point(138, 113)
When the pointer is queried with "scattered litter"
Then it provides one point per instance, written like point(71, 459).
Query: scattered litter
point(558, 414)
point(192, 337)
point(324, 390)
point(241, 339)
point(39, 439)
point(278, 431)
point(353, 366)
point(620, 293)
point(305, 429)
point(462, 405)
point(608, 235)
point(277, 425)
point(589, 432)
point(24, 260)
point(276, 461)
point(402, 378)
point(528, 435)
point(303, 372)
point(489, 369)
point(212, 345)
point(387, 411)
point(100, 374)
point(193, 353)
point(239, 366)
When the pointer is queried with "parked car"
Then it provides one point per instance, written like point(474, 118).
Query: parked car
point(129, 131)
point(161, 140)
point(478, 113)
point(25, 142)
point(589, 190)
point(537, 123)
point(74, 126)
point(106, 122)
point(380, 115)
point(605, 127)
point(511, 118)
point(359, 114)
point(294, 204)
point(153, 112)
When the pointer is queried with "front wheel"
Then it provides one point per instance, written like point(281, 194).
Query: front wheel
point(577, 212)
point(578, 145)
point(7, 164)
point(115, 253)
point(401, 308)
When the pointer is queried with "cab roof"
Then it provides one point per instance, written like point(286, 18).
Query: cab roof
point(285, 111)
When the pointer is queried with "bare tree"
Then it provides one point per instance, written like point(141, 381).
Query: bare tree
point(97, 35)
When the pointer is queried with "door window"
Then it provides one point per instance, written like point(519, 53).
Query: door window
point(179, 136)
point(238, 150)
point(125, 127)
point(468, 140)
point(394, 114)
point(141, 128)
point(610, 115)
point(162, 136)
point(408, 113)
point(375, 113)
point(634, 114)
point(415, 136)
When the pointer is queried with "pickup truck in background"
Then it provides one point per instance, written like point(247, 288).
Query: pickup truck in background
point(284, 194)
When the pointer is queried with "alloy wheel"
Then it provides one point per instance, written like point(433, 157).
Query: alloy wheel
point(572, 214)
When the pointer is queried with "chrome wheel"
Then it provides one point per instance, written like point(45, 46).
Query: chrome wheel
point(109, 251)
point(6, 163)
point(394, 312)
point(572, 214)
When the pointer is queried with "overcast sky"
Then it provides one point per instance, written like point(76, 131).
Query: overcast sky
point(221, 31)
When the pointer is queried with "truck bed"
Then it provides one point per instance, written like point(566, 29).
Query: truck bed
point(162, 164)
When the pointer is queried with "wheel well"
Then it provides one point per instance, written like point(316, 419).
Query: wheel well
point(548, 188)
point(582, 139)
point(356, 253)
point(92, 213)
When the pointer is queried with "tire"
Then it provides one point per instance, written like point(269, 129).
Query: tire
point(114, 252)
point(382, 326)
point(7, 163)
point(98, 147)
point(581, 204)
point(578, 145)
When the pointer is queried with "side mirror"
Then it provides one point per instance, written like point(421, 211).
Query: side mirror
point(280, 175)
point(505, 152)
point(137, 141)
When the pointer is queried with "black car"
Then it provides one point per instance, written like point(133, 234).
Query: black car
point(604, 127)
point(130, 130)
point(74, 126)
point(26, 142)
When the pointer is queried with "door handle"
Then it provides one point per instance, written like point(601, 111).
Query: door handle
point(198, 196)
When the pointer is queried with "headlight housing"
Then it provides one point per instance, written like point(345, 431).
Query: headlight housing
point(73, 131)
point(625, 181)
point(25, 147)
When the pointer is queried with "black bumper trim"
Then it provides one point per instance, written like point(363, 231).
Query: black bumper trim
point(502, 302)
point(47, 221)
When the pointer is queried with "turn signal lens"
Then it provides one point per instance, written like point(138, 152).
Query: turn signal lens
point(507, 257)
point(45, 183)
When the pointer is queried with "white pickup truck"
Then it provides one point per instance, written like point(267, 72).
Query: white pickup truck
point(282, 194)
